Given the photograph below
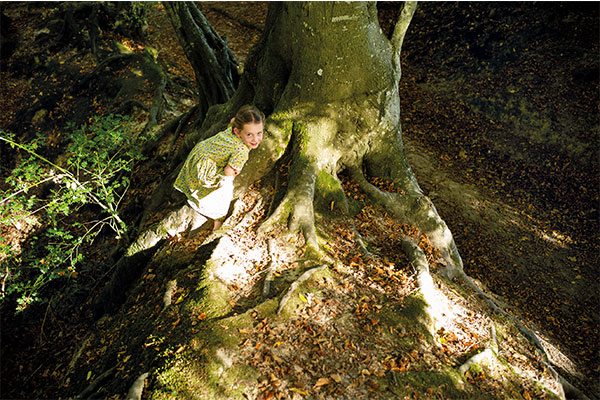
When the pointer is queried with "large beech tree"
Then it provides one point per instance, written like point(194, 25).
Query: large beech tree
point(327, 79)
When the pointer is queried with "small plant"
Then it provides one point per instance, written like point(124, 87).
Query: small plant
point(93, 170)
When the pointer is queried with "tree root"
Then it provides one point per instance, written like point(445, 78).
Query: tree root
point(487, 354)
point(114, 58)
point(78, 354)
point(361, 243)
point(567, 390)
point(167, 297)
point(135, 391)
point(416, 209)
point(418, 260)
point(307, 274)
point(296, 208)
point(270, 270)
point(92, 387)
point(157, 102)
point(427, 288)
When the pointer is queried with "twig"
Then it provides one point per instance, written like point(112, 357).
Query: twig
point(44, 321)
point(27, 188)
point(2, 291)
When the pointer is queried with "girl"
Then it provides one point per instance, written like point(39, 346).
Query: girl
point(207, 178)
point(207, 175)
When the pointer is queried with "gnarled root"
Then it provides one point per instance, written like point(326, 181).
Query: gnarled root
point(416, 209)
point(296, 208)
point(135, 391)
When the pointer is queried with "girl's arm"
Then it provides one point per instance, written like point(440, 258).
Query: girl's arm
point(229, 171)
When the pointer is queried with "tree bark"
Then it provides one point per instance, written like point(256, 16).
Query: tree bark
point(214, 65)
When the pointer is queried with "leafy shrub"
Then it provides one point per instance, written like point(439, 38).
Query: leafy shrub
point(94, 169)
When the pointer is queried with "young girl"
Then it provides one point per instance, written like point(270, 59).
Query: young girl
point(207, 175)
point(207, 178)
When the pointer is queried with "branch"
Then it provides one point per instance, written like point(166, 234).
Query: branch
point(400, 31)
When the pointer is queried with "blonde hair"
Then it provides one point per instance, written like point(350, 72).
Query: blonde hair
point(247, 114)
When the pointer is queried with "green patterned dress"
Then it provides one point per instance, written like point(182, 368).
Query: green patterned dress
point(205, 164)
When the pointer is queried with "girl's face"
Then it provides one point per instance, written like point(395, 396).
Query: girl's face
point(251, 134)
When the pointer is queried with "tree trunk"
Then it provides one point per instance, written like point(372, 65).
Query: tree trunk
point(328, 78)
point(214, 65)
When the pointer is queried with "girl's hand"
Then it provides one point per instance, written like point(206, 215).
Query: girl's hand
point(230, 171)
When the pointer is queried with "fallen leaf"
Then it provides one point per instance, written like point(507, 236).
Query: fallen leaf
point(299, 391)
point(322, 382)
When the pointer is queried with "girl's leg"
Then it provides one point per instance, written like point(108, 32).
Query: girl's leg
point(175, 222)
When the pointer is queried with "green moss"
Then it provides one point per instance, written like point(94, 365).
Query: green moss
point(329, 194)
point(410, 319)
point(301, 131)
point(445, 383)
point(475, 369)
point(208, 369)
point(210, 297)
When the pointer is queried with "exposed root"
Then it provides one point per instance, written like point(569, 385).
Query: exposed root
point(568, 390)
point(157, 102)
point(425, 283)
point(294, 286)
point(127, 57)
point(296, 209)
point(269, 270)
point(78, 354)
point(487, 354)
point(418, 210)
point(92, 387)
point(361, 243)
point(167, 297)
point(135, 391)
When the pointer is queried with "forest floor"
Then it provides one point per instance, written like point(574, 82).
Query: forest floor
point(523, 209)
